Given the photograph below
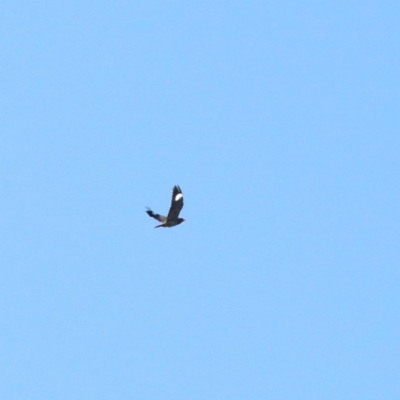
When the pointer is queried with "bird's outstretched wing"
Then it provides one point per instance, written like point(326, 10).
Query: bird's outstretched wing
point(176, 203)
point(158, 217)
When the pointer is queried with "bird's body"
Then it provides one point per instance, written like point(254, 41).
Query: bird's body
point(173, 215)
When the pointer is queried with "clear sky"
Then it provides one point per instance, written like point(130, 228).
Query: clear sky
point(280, 120)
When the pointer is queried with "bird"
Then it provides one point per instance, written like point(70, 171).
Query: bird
point(173, 213)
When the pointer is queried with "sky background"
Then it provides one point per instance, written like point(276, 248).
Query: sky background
point(280, 120)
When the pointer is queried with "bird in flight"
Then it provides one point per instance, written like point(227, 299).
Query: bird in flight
point(173, 213)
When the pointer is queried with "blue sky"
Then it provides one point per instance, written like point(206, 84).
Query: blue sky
point(280, 122)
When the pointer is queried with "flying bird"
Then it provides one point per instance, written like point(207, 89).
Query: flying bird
point(173, 213)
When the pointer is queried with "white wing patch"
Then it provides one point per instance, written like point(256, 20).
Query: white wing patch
point(178, 196)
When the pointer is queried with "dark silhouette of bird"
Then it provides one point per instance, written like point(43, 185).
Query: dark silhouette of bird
point(173, 215)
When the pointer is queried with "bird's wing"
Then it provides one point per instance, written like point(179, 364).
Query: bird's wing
point(176, 203)
point(158, 217)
